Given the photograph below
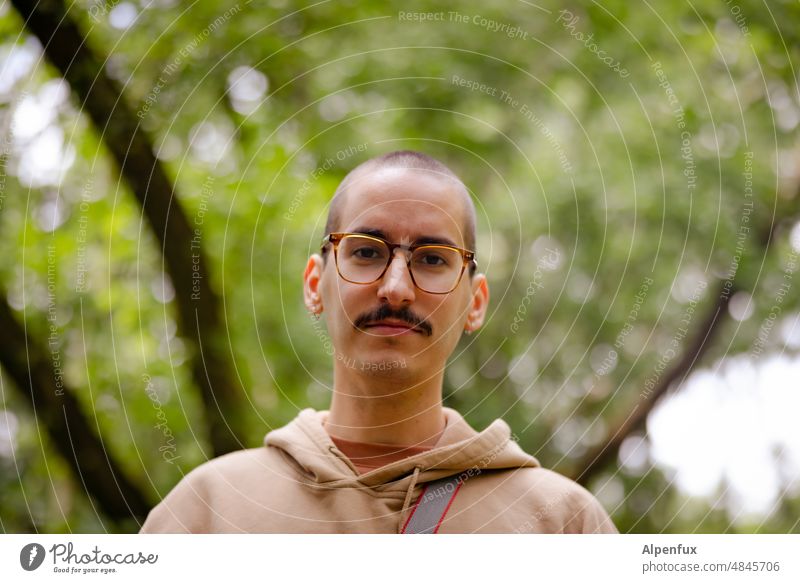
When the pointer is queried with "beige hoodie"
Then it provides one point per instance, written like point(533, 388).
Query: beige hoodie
point(301, 483)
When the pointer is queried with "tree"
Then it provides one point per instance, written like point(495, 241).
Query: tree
point(198, 304)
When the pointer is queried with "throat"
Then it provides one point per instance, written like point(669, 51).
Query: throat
point(353, 421)
point(370, 456)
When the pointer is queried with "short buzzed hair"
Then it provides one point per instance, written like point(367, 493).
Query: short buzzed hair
point(403, 159)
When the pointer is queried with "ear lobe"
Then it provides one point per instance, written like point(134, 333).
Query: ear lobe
point(312, 277)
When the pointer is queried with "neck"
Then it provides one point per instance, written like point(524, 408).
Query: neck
point(380, 408)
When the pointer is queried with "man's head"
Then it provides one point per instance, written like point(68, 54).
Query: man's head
point(390, 324)
point(405, 159)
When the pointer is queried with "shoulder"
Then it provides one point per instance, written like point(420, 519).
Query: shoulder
point(555, 503)
point(237, 464)
point(191, 505)
point(239, 467)
point(552, 484)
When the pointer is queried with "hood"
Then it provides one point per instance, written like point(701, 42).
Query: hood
point(459, 448)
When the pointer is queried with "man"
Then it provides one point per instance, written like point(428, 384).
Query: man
point(396, 278)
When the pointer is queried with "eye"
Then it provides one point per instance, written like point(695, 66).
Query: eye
point(431, 259)
point(367, 252)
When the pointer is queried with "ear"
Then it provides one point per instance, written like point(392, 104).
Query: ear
point(311, 284)
point(478, 304)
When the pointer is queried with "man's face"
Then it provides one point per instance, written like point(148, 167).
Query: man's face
point(372, 326)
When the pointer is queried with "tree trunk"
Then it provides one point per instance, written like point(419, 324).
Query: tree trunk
point(198, 305)
point(59, 413)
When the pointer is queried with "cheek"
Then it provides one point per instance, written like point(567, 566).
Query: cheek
point(449, 317)
point(346, 301)
point(329, 292)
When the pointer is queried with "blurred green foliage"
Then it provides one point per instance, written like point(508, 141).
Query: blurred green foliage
point(580, 160)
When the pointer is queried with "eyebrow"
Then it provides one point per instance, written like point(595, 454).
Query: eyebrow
point(428, 240)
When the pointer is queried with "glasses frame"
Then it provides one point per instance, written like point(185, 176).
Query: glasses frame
point(335, 238)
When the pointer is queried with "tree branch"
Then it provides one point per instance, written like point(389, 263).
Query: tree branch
point(703, 338)
point(701, 341)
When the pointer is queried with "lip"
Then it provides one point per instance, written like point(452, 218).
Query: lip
point(391, 328)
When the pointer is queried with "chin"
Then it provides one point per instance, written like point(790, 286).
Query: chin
point(397, 366)
point(383, 355)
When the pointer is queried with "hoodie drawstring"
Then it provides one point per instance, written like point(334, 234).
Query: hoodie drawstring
point(408, 498)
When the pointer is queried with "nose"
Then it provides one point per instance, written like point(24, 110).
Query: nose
point(397, 287)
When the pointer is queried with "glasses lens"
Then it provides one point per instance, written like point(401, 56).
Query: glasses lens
point(361, 259)
point(436, 269)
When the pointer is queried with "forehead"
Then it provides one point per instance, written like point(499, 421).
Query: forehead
point(405, 203)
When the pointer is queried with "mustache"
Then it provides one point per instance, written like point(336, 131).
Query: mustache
point(404, 314)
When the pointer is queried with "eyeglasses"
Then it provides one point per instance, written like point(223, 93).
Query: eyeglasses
point(364, 259)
